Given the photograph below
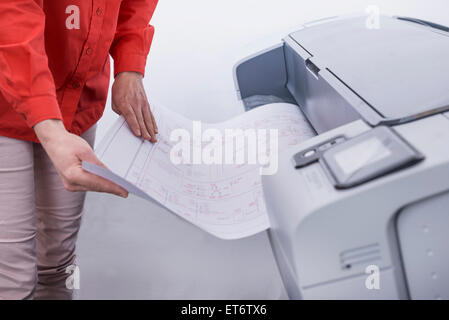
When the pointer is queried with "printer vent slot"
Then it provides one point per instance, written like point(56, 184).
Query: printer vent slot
point(360, 255)
point(313, 69)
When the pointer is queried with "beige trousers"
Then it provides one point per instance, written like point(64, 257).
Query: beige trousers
point(39, 223)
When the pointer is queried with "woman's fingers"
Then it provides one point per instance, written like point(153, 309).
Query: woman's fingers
point(86, 181)
point(138, 115)
point(148, 118)
point(156, 130)
point(130, 117)
point(140, 119)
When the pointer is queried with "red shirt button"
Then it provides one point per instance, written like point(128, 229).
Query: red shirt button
point(88, 51)
point(99, 12)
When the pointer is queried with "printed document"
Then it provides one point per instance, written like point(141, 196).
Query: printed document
point(225, 199)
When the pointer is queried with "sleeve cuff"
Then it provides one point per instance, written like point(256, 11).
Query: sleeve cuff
point(130, 62)
point(38, 109)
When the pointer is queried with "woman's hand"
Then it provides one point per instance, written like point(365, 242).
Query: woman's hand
point(129, 99)
point(67, 151)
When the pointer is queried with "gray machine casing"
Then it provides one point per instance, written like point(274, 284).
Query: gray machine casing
point(347, 79)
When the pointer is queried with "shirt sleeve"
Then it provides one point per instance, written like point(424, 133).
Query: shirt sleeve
point(25, 78)
point(133, 36)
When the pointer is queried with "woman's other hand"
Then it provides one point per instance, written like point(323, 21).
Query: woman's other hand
point(129, 99)
point(67, 151)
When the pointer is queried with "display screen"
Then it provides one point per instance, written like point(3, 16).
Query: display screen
point(361, 155)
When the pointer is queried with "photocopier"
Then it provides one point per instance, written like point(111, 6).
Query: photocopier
point(369, 194)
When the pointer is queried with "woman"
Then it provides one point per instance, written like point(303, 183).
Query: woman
point(54, 76)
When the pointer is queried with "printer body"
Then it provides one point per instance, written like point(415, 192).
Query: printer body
point(361, 210)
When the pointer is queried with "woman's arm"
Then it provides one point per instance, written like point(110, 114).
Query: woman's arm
point(25, 78)
point(27, 84)
point(129, 50)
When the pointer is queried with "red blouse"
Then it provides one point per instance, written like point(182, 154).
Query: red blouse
point(54, 59)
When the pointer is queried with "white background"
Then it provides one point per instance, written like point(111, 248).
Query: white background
point(132, 249)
